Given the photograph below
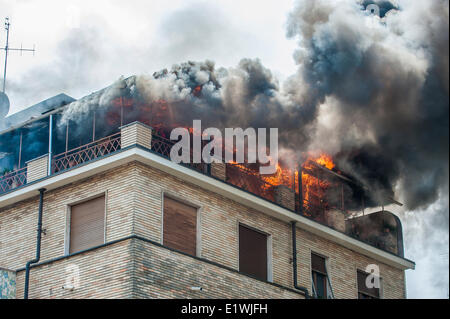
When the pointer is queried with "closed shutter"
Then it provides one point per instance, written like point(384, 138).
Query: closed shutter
point(252, 252)
point(180, 226)
point(87, 224)
point(363, 289)
point(318, 264)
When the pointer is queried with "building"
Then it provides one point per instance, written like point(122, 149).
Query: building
point(120, 220)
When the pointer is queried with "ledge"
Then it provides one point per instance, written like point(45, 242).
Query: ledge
point(148, 241)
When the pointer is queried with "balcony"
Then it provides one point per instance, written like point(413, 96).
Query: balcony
point(12, 180)
point(86, 153)
point(384, 231)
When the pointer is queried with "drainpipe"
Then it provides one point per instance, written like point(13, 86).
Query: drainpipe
point(300, 190)
point(294, 260)
point(50, 145)
point(38, 244)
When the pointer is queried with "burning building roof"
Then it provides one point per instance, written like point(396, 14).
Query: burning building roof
point(35, 111)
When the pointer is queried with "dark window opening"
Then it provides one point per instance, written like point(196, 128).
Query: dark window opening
point(252, 253)
point(319, 277)
point(365, 292)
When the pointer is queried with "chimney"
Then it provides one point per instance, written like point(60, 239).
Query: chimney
point(37, 168)
point(335, 219)
point(285, 196)
point(219, 170)
point(136, 133)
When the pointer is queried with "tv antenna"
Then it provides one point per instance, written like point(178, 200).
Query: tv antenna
point(7, 49)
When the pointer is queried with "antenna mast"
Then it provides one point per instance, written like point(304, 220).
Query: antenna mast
point(7, 49)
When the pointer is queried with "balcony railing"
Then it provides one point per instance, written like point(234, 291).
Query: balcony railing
point(86, 153)
point(249, 180)
point(13, 180)
point(163, 147)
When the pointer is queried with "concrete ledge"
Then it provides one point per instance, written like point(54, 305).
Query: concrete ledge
point(227, 271)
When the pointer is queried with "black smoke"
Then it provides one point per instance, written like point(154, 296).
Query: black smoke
point(372, 91)
point(386, 85)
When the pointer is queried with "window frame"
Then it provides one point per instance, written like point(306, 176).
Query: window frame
point(327, 278)
point(269, 244)
point(197, 206)
point(68, 216)
point(358, 292)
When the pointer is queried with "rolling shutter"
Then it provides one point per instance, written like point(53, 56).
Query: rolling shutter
point(252, 252)
point(87, 224)
point(180, 226)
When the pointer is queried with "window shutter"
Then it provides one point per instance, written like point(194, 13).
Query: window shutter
point(318, 264)
point(87, 224)
point(362, 287)
point(252, 252)
point(180, 226)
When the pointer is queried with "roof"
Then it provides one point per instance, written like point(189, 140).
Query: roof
point(34, 111)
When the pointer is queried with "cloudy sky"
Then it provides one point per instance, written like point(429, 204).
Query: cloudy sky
point(83, 46)
point(89, 44)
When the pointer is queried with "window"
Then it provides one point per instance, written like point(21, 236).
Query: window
point(87, 225)
point(363, 291)
point(321, 286)
point(180, 226)
point(253, 253)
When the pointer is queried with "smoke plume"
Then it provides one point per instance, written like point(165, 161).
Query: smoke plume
point(385, 84)
point(372, 91)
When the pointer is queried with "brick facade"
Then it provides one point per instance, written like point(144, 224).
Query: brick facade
point(37, 168)
point(138, 269)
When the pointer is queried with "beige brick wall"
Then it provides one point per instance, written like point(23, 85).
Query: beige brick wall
point(136, 133)
point(285, 196)
point(136, 269)
point(219, 236)
point(103, 273)
point(336, 219)
point(134, 206)
point(18, 223)
point(161, 273)
point(342, 265)
point(219, 170)
point(37, 169)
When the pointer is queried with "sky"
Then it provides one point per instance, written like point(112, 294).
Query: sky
point(139, 37)
point(84, 46)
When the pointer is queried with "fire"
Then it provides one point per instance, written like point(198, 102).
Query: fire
point(197, 91)
point(160, 115)
point(283, 176)
point(314, 188)
point(324, 160)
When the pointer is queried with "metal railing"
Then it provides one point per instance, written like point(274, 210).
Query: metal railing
point(163, 146)
point(13, 180)
point(86, 153)
point(249, 180)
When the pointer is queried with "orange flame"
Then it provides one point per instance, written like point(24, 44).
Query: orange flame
point(325, 160)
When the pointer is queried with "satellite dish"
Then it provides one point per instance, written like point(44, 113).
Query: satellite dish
point(4, 105)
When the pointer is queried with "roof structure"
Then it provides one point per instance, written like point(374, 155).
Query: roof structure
point(34, 111)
